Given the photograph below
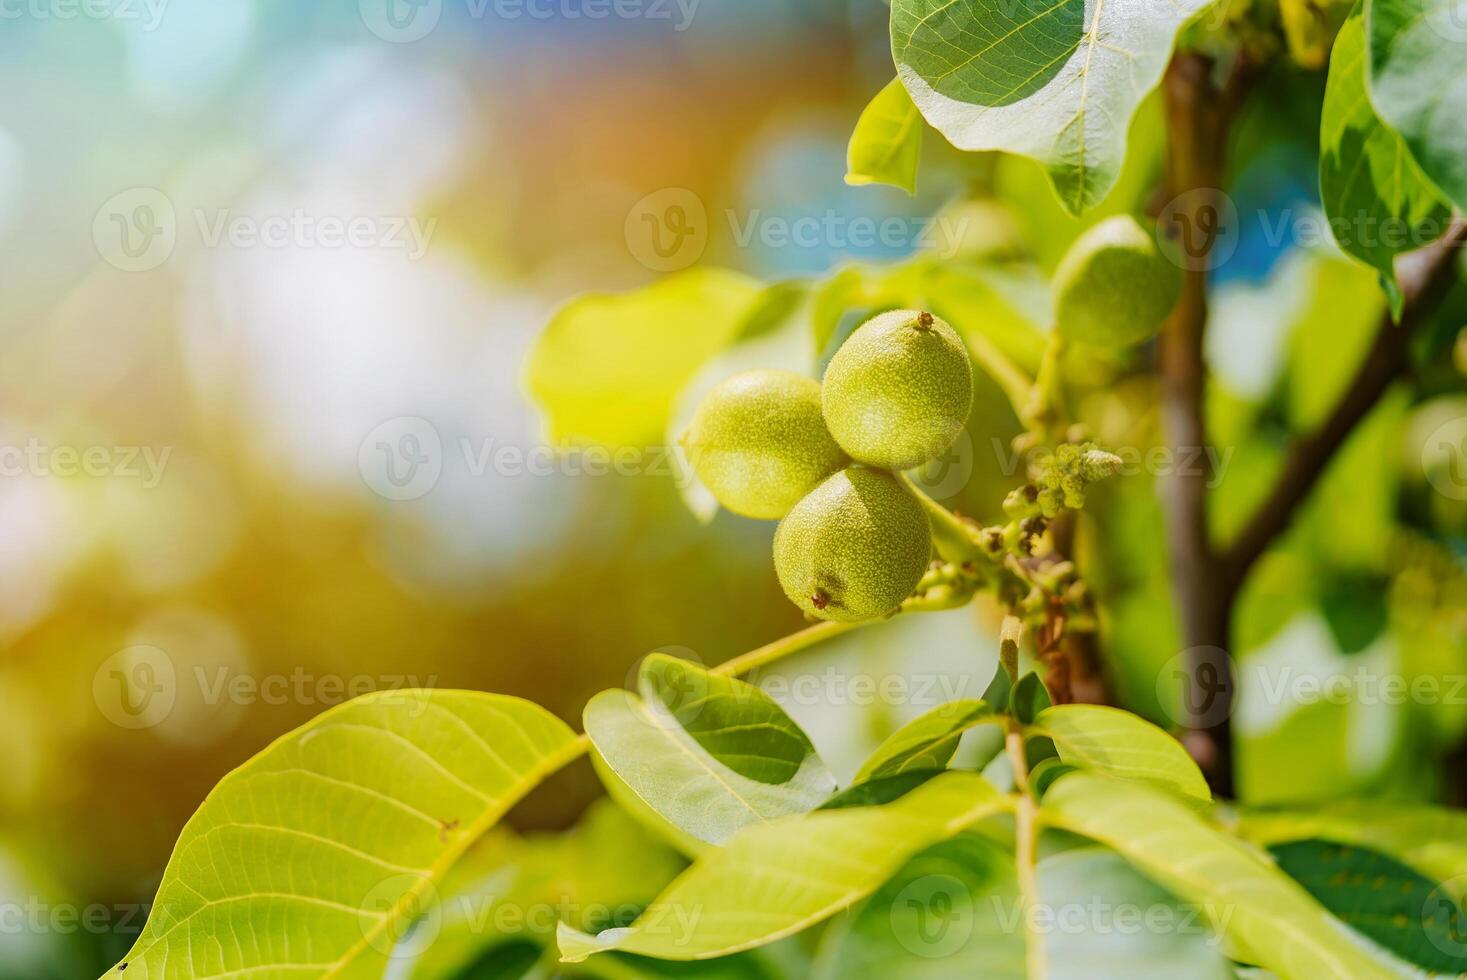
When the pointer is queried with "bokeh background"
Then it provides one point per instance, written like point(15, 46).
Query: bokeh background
point(247, 244)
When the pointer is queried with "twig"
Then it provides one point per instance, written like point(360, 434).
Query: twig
point(1424, 276)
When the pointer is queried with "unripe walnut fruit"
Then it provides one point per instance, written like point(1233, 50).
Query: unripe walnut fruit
point(758, 441)
point(854, 548)
point(1114, 288)
point(978, 230)
point(897, 393)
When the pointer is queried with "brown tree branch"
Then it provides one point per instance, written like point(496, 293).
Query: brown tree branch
point(1424, 276)
point(1199, 115)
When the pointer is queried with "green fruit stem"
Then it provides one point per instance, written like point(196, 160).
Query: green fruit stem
point(795, 642)
point(956, 540)
point(782, 647)
point(1045, 410)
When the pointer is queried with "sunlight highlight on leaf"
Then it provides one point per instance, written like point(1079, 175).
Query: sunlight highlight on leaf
point(316, 856)
point(887, 143)
point(1055, 80)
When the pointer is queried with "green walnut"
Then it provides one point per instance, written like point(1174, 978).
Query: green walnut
point(854, 548)
point(758, 441)
point(1114, 287)
point(897, 393)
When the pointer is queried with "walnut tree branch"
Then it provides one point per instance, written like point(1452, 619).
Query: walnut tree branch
point(1199, 115)
point(1424, 276)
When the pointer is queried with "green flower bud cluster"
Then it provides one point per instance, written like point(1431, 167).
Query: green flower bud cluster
point(853, 541)
point(1060, 481)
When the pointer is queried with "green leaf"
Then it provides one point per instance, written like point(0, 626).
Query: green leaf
point(954, 911)
point(506, 896)
point(772, 881)
point(1430, 839)
point(1043, 775)
point(1001, 688)
point(772, 308)
point(1106, 895)
point(317, 854)
point(1417, 78)
point(998, 306)
point(1028, 698)
point(1378, 201)
point(711, 754)
point(1055, 80)
point(950, 912)
point(880, 789)
point(926, 742)
point(1381, 898)
point(758, 965)
point(1122, 744)
point(1270, 916)
point(887, 142)
point(608, 367)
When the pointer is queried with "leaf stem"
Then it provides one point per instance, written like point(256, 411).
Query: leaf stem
point(1026, 846)
point(782, 647)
